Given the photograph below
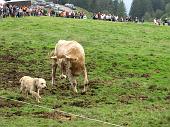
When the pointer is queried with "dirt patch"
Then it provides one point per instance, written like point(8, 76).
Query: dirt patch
point(155, 87)
point(126, 99)
point(91, 66)
point(82, 103)
point(98, 82)
point(157, 71)
point(154, 107)
point(20, 98)
point(147, 75)
point(133, 85)
point(56, 115)
point(64, 86)
point(10, 114)
point(167, 97)
point(8, 58)
point(8, 103)
point(10, 74)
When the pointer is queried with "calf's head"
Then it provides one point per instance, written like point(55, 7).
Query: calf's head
point(40, 83)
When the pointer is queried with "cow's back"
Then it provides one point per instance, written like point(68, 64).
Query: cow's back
point(71, 49)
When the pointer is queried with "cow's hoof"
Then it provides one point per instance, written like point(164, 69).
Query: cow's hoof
point(75, 90)
point(83, 92)
point(63, 76)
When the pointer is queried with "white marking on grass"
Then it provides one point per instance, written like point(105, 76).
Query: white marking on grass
point(51, 109)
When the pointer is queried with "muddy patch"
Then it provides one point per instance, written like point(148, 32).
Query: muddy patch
point(133, 85)
point(147, 75)
point(91, 66)
point(82, 103)
point(64, 86)
point(8, 103)
point(11, 114)
point(167, 97)
point(155, 88)
point(127, 99)
point(154, 107)
point(10, 74)
point(96, 83)
point(56, 115)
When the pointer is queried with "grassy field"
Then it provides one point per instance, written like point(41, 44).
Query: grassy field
point(128, 67)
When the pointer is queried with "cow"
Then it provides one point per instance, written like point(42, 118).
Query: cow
point(32, 86)
point(69, 56)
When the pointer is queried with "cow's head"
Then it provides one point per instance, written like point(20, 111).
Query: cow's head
point(65, 57)
point(71, 59)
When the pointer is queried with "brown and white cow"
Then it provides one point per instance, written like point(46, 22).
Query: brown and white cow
point(69, 56)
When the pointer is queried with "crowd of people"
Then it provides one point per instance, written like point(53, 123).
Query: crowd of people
point(115, 18)
point(16, 11)
point(73, 14)
point(158, 21)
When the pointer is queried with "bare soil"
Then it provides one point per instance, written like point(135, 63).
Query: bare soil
point(56, 115)
point(8, 103)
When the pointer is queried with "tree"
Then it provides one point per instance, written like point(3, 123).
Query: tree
point(140, 7)
point(121, 9)
point(135, 10)
point(150, 8)
point(158, 4)
point(167, 8)
point(158, 13)
point(147, 16)
point(115, 7)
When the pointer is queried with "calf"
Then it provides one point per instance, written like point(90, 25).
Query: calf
point(32, 86)
point(69, 56)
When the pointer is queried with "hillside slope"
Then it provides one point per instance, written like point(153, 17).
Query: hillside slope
point(128, 68)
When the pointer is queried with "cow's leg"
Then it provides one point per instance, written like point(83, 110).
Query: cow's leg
point(71, 78)
point(86, 82)
point(74, 85)
point(54, 67)
point(73, 82)
point(63, 71)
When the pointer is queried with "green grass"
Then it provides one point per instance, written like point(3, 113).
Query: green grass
point(128, 67)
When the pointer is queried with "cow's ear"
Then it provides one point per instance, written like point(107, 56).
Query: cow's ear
point(54, 57)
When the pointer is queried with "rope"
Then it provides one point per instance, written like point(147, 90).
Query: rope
point(80, 116)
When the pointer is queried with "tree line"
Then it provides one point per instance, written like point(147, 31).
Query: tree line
point(116, 7)
point(149, 9)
